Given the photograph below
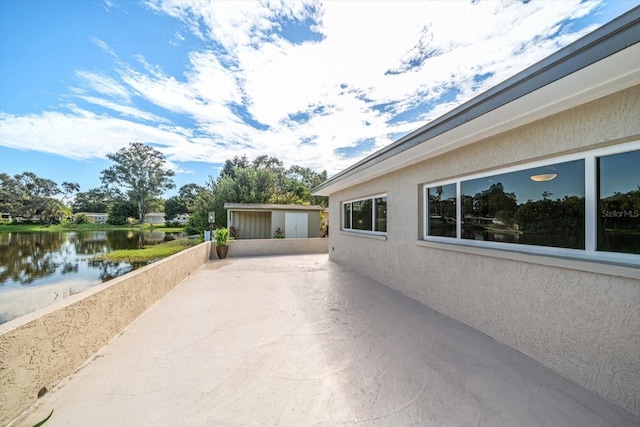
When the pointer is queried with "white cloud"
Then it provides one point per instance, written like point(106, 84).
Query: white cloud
point(402, 53)
point(104, 46)
point(103, 84)
point(124, 109)
point(79, 134)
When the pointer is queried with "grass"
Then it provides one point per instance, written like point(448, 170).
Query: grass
point(44, 421)
point(149, 253)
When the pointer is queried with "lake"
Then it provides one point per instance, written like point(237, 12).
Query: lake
point(37, 269)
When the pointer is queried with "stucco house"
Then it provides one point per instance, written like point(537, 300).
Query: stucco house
point(182, 218)
point(266, 221)
point(97, 217)
point(154, 218)
point(518, 212)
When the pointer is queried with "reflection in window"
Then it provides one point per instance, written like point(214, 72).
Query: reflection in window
point(362, 215)
point(368, 214)
point(346, 215)
point(619, 203)
point(442, 210)
point(381, 213)
point(543, 206)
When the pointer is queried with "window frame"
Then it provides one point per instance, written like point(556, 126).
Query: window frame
point(590, 251)
point(373, 215)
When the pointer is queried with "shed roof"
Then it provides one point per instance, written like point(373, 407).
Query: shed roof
point(271, 207)
point(601, 63)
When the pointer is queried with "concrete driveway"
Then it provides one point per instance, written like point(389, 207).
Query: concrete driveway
point(301, 341)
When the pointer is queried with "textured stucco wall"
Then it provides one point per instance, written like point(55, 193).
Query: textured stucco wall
point(39, 350)
point(262, 247)
point(579, 318)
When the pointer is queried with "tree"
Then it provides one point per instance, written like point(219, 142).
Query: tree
point(264, 180)
point(183, 202)
point(231, 165)
point(94, 200)
point(492, 200)
point(12, 195)
point(140, 170)
point(68, 189)
point(28, 195)
point(300, 181)
point(563, 218)
point(438, 198)
point(202, 205)
point(155, 204)
point(36, 186)
point(120, 211)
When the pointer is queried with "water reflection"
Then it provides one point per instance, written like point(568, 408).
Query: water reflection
point(37, 269)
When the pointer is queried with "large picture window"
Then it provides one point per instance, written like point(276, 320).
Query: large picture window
point(619, 203)
point(365, 215)
point(588, 203)
point(541, 206)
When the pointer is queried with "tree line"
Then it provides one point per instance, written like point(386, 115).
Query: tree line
point(132, 187)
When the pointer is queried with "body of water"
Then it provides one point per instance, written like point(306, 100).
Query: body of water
point(37, 269)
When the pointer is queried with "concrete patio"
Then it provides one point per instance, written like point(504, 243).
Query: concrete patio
point(301, 341)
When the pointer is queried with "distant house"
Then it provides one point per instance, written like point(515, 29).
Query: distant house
point(154, 218)
point(6, 217)
point(265, 221)
point(98, 218)
point(518, 212)
point(182, 218)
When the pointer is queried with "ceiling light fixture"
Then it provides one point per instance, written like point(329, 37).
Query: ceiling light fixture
point(544, 177)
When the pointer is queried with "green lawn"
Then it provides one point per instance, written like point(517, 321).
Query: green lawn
point(149, 253)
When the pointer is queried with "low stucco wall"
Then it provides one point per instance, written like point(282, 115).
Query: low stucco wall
point(263, 247)
point(40, 349)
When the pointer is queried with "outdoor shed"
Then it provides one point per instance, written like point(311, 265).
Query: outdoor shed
point(518, 212)
point(266, 221)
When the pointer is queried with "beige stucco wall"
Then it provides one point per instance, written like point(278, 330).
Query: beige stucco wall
point(580, 318)
point(262, 247)
point(40, 349)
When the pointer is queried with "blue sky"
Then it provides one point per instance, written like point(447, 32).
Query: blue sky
point(316, 84)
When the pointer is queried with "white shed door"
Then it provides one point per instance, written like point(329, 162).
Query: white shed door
point(296, 225)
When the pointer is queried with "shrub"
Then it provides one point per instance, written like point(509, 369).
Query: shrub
point(82, 219)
